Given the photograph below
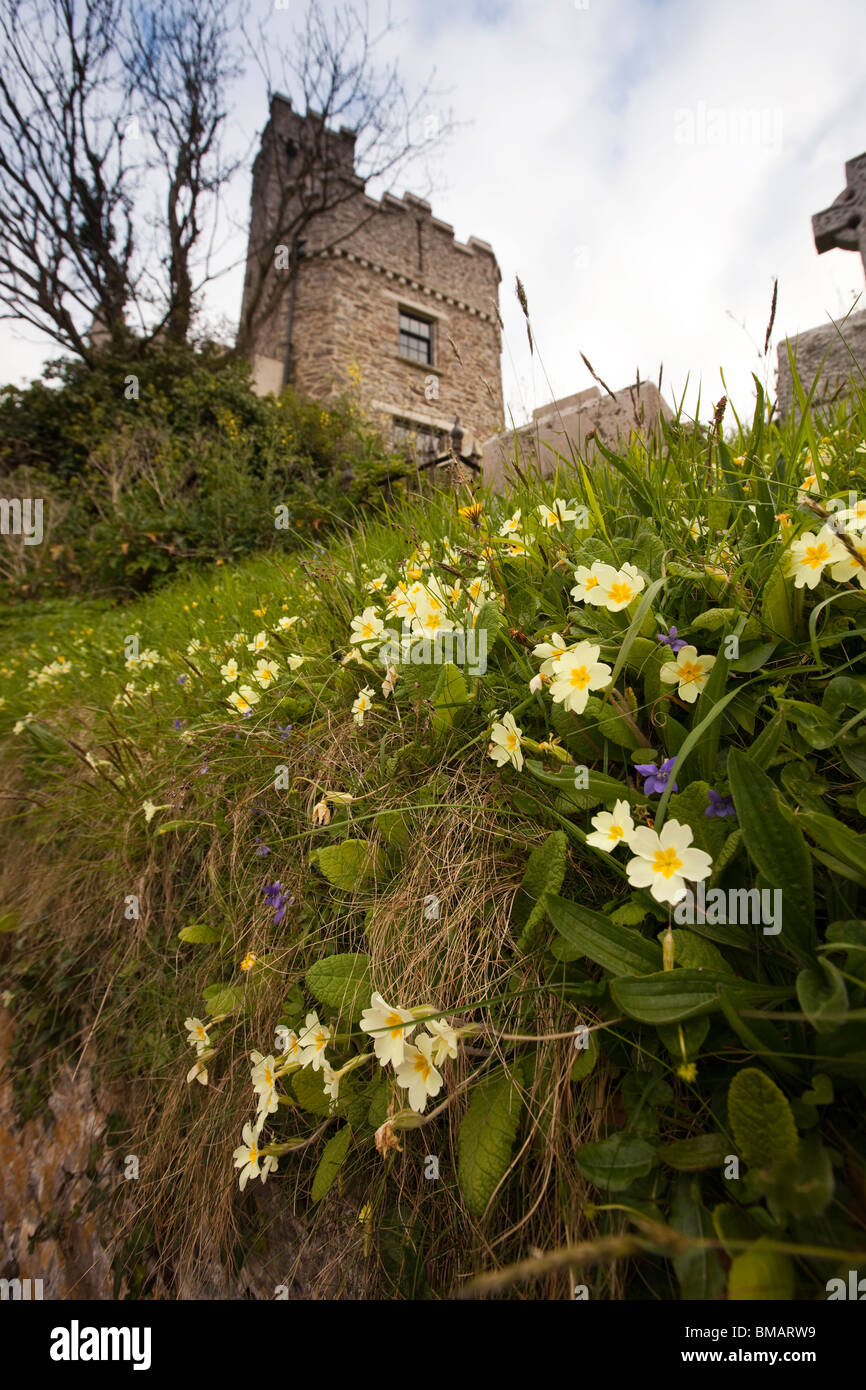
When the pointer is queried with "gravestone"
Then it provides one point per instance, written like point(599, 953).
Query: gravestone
point(835, 349)
point(564, 429)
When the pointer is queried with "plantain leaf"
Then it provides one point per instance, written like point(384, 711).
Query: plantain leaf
point(776, 847)
point(332, 1160)
point(691, 1155)
point(449, 699)
point(620, 950)
point(199, 933)
point(487, 1137)
point(614, 1163)
point(545, 870)
point(761, 1121)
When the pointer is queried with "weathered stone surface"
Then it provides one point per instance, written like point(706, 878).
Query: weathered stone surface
point(837, 350)
point(843, 224)
point(560, 430)
point(362, 261)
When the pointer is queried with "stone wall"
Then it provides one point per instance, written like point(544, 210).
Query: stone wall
point(840, 346)
point(562, 427)
point(362, 261)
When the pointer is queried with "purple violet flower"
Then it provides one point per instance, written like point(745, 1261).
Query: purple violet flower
point(278, 899)
point(720, 805)
point(178, 723)
point(285, 730)
point(262, 848)
point(181, 680)
point(671, 640)
point(656, 778)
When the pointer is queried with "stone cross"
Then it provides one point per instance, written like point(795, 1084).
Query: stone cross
point(843, 223)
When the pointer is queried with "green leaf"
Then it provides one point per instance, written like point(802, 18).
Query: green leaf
point(618, 949)
point(10, 921)
point(393, 829)
point(613, 1164)
point(692, 1155)
point(689, 807)
point(487, 1137)
point(699, 1272)
point(838, 840)
point(776, 847)
point(823, 998)
point(807, 1191)
point(179, 825)
point(545, 870)
point(342, 983)
point(449, 699)
point(309, 1089)
point(333, 1157)
point(715, 619)
point(761, 1121)
point(766, 745)
point(200, 934)
point(760, 1274)
point(223, 998)
point(777, 605)
point(350, 864)
point(693, 952)
point(586, 1059)
point(670, 995)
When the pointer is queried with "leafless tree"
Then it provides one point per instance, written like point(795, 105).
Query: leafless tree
point(66, 185)
point(330, 69)
point(181, 60)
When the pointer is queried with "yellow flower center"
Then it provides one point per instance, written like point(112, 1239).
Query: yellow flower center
point(320, 1040)
point(689, 672)
point(666, 862)
point(615, 833)
point(815, 555)
point(591, 583)
point(620, 593)
point(392, 1019)
point(580, 677)
point(252, 1154)
point(367, 630)
point(422, 1066)
point(511, 742)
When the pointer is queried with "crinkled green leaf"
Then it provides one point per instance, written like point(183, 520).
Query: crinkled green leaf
point(487, 1137)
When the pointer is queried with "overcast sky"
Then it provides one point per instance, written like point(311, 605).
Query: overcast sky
point(646, 166)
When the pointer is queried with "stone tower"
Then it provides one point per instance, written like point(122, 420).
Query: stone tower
point(342, 291)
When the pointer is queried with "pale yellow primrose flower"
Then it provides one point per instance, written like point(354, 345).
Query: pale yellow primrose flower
point(388, 1046)
point(230, 671)
point(504, 746)
point(509, 527)
point(313, 1039)
point(265, 673)
point(264, 1083)
point(846, 567)
point(198, 1035)
point(810, 554)
point(588, 588)
point(575, 674)
point(690, 670)
point(549, 652)
point(553, 519)
point(367, 629)
point(417, 1074)
point(244, 699)
point(663, 862)
point(444, 1040)
point(612, 828)
point(362, 704)
point(259, 642)
point(248, 1156)
point(618, 587)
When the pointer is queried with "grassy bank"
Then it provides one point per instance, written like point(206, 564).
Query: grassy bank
point(227, 805)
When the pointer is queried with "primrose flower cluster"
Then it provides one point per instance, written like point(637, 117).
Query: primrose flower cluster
point(416, 1068)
